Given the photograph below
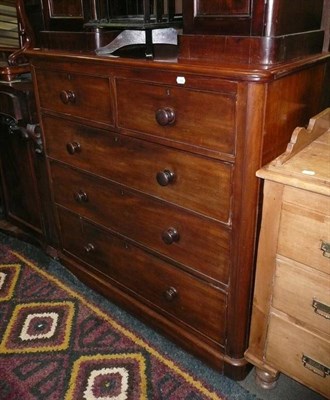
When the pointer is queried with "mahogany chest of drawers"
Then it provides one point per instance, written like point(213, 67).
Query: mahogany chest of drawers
point(152, 169)
point(291, 308)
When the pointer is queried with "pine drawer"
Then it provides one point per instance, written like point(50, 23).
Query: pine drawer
point(302, 293)
point(302, 354)
point(305, 228)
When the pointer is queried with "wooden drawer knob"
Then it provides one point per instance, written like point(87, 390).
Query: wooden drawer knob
point(73, 147)
point(171, 294)
point(165, 177)
point(170, 236)
point(165, 116)
point(81, 196)
point(89, 248)
point(67, 96)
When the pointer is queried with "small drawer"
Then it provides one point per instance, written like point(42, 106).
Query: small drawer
point(198, 243)
point(304, 233)
point(303, 293)
point(299, 353)
point(155, 282)
point(182, 115)
point(197, 183)
point(75, 94)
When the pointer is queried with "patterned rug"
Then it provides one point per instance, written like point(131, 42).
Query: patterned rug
point(56, 343)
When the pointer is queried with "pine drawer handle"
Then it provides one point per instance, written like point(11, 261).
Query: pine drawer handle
point(325, 247)
point(315, 366)
point(321, 309)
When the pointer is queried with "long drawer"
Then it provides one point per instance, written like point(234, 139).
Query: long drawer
point(197, 242)
point(197, 183)
point(302, 293)
point(301, 354)
point(305, 224)
point(79, 95)
point(161, 285)
point(198, 118)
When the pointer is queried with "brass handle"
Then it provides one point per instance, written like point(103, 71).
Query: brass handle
point(165, 177)
point(315, 366)
point(165, 116)
point(73, 147)
point(67, 96)
point(80, 197)
point(325, 247)
point(321, 309)
point(170, 236)
point(89, 248)
point(170, 294)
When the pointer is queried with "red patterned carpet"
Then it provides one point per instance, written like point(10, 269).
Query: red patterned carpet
point(55, 344)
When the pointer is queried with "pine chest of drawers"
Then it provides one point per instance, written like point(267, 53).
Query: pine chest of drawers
point(152, 170)
point(291, 310)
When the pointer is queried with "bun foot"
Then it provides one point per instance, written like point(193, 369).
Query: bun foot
point(266, 380)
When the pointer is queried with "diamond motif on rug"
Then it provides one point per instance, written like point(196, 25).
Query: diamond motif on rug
point(8, 278)
point(109, 377)
point(36, 327)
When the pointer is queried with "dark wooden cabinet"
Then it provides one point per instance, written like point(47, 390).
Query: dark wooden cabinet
point(23, 178)
point(18, 158)
point(152, 169)
point(251, 17)
point(150, 165)
point(251, 32)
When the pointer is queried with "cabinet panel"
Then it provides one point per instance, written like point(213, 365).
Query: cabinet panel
point(152, 280)
point(222, 7)
point(198, 243)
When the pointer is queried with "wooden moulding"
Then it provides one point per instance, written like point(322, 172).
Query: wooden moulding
point(249, 49)
point(302, 137)
point(11, 73)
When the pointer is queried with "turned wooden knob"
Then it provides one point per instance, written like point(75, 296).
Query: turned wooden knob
point(165, 116)
point(73, 147)
point(67, 96)
point(165, 177)
point(170, 236)
point(80, 197)
point(89, 248)
point(170, 294)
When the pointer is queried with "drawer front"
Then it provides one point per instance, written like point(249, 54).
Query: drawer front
point(196, 242)
point(155, 282)
point(76, 94)
point(197, 118)
point(197, 183)
point(303, 293)
point(304, 231)
point(299, 353)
